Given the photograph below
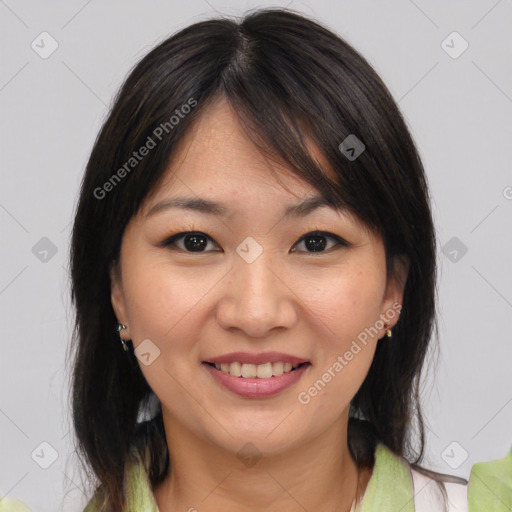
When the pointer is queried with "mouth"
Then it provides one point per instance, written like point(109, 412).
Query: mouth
point(251, 381)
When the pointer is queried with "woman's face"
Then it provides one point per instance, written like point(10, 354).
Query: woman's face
point(249, 282)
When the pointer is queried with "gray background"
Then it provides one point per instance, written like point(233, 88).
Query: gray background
point(52, 109)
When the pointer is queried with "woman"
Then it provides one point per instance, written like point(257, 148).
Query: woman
point(253, 253)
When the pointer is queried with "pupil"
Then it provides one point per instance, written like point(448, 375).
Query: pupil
point(197, 242)
point(318, 242)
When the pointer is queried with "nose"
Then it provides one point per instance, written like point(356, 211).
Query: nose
point(256, 299)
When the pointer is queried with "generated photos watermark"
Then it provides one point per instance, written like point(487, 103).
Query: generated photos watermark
point(151, 142)
point(304, 397)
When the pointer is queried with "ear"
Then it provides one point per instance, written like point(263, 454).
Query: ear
point(393, 297)
point(117, 295)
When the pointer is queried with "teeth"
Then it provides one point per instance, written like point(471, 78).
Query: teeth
point(262, 371)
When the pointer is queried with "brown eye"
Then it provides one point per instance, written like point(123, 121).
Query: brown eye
point(316, 241)
point(192, 241)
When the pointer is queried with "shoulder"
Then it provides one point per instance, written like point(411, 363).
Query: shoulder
point(12, 505)
point(137, 488)
point(414, 489)
point(428, 496)
point(490, 485)
point(94, 503)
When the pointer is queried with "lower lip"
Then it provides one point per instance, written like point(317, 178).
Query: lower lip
point(254, 387)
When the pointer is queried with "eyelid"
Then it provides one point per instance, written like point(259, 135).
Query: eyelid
point(327, 234)
point(173, 238)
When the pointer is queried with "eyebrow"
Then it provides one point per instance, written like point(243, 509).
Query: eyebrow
point(207, 206)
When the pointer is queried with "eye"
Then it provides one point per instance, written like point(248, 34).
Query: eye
point(316, 241)
point(193, 241)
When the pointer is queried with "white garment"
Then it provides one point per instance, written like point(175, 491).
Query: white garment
point(428, 497)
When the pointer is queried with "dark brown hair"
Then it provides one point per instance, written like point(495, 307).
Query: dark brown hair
point(288, 78)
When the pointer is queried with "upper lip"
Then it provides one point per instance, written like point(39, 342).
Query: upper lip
point(248, 358)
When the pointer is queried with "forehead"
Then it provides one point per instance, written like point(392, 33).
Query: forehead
point(217, 156)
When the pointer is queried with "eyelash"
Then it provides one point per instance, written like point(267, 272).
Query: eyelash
point(340, 242)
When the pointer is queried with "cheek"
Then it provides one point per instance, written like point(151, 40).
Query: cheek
point(164, 306)
point(345, 302)
point(344, 308)
point(161, 299)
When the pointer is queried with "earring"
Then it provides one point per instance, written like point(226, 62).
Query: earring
point(119, 328)
point(389, 334)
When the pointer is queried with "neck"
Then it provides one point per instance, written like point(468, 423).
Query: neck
point(316, 475)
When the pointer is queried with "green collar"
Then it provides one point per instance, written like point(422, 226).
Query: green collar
point(490, 485)
point(390, 472)
point(390, 486)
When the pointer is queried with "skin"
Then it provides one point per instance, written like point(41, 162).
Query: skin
point(197, 305)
